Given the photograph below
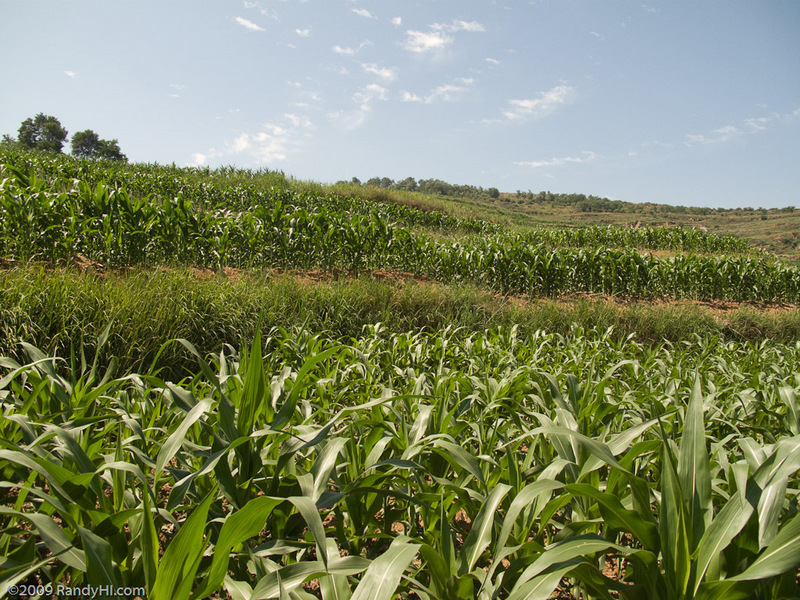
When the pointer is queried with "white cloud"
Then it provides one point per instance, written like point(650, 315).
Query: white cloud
point(353, 119)
point(586, 156)
point(759, 124)
point(248, 24)
point(273, 142)
point(240, 144)
point(386, 74)
point(351, 51)
point(444, 93)
point(298, 121)
point(457, 25)
point(536, 108)
point(397, 21)
point(420, 42)
point(372, 92)
point(748, 127)
point(264, 11)
point(718, 136)
point(344, 51)
point(726, 133)
point(303, 32)
point(409, 97)
point(493, 61)
point(363, 12)
point(70, 74)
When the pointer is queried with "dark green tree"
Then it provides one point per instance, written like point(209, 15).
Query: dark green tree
point(110, 149)
point(43, 132)
point(409, 183)
point(87, 144)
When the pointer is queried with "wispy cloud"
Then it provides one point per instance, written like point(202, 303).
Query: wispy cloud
point(347, 51)
point(364, 98)
point(371, 92)
point(543, 105)
point(303, 32)
point(387, 74)
point(397, 21)
point(728, 132)
point(298, 121)
point(275, 142)
point(586, 156)
point(444, 93)
point(267, 12)
point(457, 25)
point(758, 124)
point(493, 61)
point(248, 24)
point(70, 74)
point(271, 143)
point(363, 12)
point(437, 38)
point(420, 42)
point(723, 134)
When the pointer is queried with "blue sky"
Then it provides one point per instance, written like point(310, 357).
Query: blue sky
point(681, 102)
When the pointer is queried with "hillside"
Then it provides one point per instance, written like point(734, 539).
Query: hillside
point(775, 230)
point(232, 384)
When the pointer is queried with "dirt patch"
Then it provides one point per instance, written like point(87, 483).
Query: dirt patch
point(720, 307)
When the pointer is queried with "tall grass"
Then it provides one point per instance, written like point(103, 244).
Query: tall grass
point(57, 309)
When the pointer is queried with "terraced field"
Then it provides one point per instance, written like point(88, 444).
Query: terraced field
point(388, 459)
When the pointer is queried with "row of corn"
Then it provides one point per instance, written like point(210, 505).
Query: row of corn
point(114, 227)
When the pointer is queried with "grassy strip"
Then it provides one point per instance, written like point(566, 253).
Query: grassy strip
point(57, 310)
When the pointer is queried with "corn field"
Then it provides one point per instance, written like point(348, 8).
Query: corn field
point(54, 218)
point(434, 466)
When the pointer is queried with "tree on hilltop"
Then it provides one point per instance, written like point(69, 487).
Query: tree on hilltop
point(43, 132)
point(87, 144)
